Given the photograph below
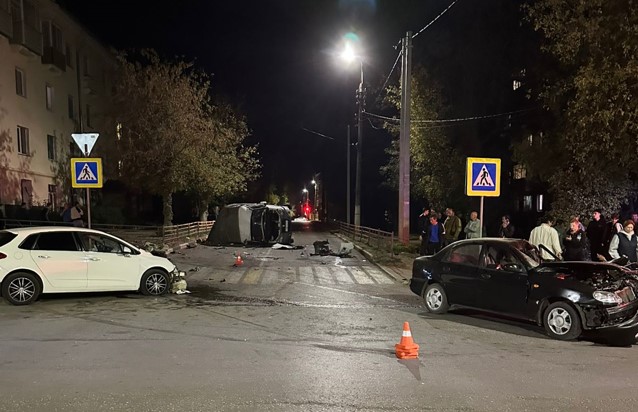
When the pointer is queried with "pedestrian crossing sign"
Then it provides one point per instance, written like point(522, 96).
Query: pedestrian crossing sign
point(483, 177)
point(86, 172)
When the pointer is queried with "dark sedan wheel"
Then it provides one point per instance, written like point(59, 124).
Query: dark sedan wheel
point(20, 288)
point(562, 321)
point(435, 299)
point(155, 282)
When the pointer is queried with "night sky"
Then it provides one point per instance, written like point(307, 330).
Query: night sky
point(274, 60)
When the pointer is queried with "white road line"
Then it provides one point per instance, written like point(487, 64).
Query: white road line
point(324, 276)
point(377, 275)
point(231, 275)
point(360, 276)
point(341, 274)
point(305, 275)
point(269, 277)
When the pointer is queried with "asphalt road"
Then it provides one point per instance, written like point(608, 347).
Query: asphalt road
point(285, 332)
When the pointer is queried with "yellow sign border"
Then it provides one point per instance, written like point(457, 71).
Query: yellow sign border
point(74, 182)
point(468, 177)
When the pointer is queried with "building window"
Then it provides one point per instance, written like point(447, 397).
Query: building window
point(50, 147)
point(52, 36)
point(520, 172)
point(23, 140)
point(527, 203)
point(516, 85)
point(88, 115)
point(118, 131)
point(21, 83)
point(86, 65)
point(49, 96)
point(71, 107)
point(69, 55)
point(53, 196)
point(539, 203)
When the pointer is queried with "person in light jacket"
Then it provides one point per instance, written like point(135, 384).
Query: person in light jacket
point(625, 243)
point(473, 227)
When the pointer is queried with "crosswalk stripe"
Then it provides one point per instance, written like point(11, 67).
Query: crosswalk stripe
point(305, 275)
point(377, 275)
point(342, 275)
point(231, 276)
point(269, 276)
point(252, 276)
point(323, 275)
point(360, 276)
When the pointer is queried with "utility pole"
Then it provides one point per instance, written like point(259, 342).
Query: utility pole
point(404, 139)
point(348, 210)
point(357, 194)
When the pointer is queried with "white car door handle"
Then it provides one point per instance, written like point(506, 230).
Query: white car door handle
point(44, 257)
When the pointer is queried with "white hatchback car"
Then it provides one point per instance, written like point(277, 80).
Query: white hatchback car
point(63, 259)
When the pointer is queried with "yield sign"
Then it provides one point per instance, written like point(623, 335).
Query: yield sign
point(85, 141)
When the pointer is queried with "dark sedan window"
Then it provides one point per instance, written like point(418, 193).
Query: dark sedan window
point(464, 254)
point(496, 257)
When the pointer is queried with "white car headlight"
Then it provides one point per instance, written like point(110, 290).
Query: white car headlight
point(607, 297)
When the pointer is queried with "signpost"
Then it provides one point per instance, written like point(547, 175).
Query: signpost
point(483, 178)
point(86, 172)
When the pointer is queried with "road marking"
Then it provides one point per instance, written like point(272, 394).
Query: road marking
point(305, 275)
point(270, 276)
point(379, 276)
point(252, 276)
point(341, 275)
point(360, 276)
point(323, 275)
point(231, 276)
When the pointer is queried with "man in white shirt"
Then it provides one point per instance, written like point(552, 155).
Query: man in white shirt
point(544, 234)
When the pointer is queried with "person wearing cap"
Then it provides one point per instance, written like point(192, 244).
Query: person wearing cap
point(596, 235)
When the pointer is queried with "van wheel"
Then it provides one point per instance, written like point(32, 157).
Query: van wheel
point(21, 288)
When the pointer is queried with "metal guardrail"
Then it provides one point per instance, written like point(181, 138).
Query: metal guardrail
point(136, 234)
point(377, 238)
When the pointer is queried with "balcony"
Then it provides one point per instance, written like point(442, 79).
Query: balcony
point(55, 59)
point(26, 39)
point(6, 24)
point(89, 86)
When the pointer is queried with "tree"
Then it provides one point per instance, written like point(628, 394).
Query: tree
point(435, 165)
point(171, 137)
point(591, 158)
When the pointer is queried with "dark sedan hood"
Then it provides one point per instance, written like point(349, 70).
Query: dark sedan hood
point(604, 276)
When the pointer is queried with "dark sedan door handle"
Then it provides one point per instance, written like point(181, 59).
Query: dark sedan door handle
point(486, 275)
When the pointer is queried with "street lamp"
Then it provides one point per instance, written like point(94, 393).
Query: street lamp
point(349, 56)
point(316, 204)
point(304, 204)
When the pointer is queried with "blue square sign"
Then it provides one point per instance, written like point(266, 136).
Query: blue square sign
point(86, 172)
point(483, 177)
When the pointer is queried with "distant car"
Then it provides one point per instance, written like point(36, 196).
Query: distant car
point(252, 223)
point(507, 276)
point(63, 259)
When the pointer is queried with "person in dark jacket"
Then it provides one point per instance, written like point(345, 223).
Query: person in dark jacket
point(575, 242)
point(506, 229)
point(433, 239)
point(625, 243)
point(423, 220)
point(596, 235)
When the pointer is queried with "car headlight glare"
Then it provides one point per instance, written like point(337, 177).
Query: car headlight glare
point(607, 297)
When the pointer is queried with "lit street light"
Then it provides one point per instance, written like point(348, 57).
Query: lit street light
point(316, 203)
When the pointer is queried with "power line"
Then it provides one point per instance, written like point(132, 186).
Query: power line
point(378, 116)
point(317, 133)
point(442, 121)
point(435, 19)
point(391, 71)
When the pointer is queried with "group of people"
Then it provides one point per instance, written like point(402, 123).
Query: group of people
point(435, 234)
point(600, 241)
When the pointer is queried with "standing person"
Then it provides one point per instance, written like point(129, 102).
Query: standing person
point(613, 226)
point(544, 234)
point(575, 242)
point(66, 213)
point(507, 228)
point(596, 236)
point(453, 226)
point(624, 243)
point(76, 215)
point(423, 220)
point(473, 228)
point(433, 239)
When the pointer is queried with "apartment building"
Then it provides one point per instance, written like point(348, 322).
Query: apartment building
point(54, 80)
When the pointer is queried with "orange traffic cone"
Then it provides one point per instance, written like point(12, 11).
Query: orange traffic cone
point(406, 349)
point(238, 260)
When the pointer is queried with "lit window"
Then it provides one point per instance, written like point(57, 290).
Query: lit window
point(118, 131)
point(527, 203)
point(50, 147)
point(530, 139)
point(516, 85)
point(21, 83)
point(539, 203)
point(520, 172)
point(49, 96)
point(23, 140)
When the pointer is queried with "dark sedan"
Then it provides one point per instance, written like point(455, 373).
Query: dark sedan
point(507, 276)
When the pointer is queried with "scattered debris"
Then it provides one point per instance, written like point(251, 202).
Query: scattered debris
point(195, 269)
point(182, 292)
point(280, 246)
point(221, 281)
point(179, 284)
